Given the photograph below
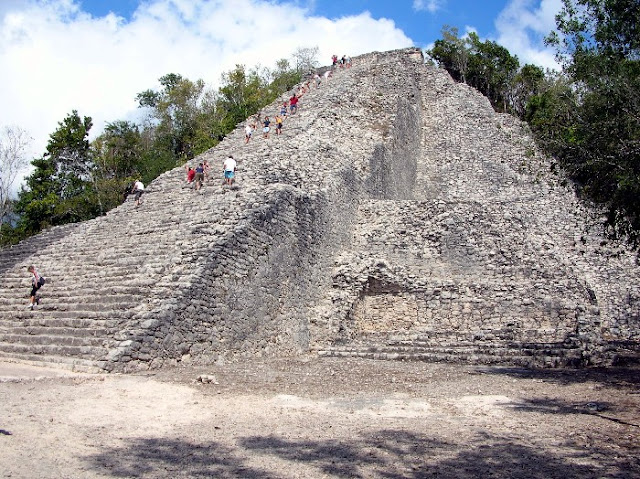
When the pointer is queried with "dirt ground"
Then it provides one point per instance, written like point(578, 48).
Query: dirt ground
point(315, 418)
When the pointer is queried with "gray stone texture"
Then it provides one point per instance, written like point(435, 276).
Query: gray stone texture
point(398, 216)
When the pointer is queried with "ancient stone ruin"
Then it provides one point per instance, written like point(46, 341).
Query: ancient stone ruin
point(398, 216)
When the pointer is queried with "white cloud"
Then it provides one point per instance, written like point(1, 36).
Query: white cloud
point(56, 58)
point(431, 6)
point(523, 24)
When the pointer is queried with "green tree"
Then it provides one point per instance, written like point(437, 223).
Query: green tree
point(60, 190)
point(452, 53)
point(598, 42)
point(242, 94)
point(283, 78)
point(118, 155)
point(176, 109)
point(527, 83)
point(492, 70)
point(551, 112)
point(118, 150)
point(486, 66)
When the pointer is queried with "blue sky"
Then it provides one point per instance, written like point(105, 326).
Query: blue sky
point(420, 21)
point(94, 56)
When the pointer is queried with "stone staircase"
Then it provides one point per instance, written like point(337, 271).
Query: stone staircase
point(111, 277)
point(457, 350)
point(396, 217)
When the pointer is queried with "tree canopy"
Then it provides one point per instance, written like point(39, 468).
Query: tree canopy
point(489, 68)
point(598, 138)
point(60, 191)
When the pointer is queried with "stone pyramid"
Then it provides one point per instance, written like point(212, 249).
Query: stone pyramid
point(397, 216)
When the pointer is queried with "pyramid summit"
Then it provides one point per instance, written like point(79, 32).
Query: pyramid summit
point(397, 216)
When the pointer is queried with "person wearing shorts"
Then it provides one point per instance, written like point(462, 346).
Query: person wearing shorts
point(278, 125)
point(229, 166)
point(199, 178)
point(266, 129)
point(293, 102)
point(138, 189)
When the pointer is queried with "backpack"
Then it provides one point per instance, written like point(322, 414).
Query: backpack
point(42, 281)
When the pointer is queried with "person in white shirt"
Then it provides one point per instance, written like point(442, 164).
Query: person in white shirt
point(248, 130)
point(230, 167)
point(138, 189)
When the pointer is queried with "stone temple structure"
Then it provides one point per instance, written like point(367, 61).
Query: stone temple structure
point(397, 216)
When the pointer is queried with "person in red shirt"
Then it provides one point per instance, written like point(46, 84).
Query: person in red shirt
point(191, 173)
point(293, 102)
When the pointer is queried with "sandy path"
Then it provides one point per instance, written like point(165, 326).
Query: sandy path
point(320, 418)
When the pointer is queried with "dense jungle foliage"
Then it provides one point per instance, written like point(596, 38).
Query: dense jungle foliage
point(587, 116)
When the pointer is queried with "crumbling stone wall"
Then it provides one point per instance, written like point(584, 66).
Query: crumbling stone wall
point(487, 251)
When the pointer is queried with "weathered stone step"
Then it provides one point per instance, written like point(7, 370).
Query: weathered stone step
point(487, 355)
point(121, 274)
point(51, 339)
point(426, 356)
point(69, 363)
point(47, 305)
point(92, 258)
point(9, 330)
point(497, 347)
point(98, 259)
point(479, 340)
point(82, 320)
point(491, 347)
point(56, 294)
point(79, 351)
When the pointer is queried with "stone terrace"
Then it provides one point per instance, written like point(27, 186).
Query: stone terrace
point(397, 216)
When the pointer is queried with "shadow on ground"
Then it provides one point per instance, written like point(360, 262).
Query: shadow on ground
point(172, 458)
point(383, 454)
point(602, 409)
point(622, 378)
